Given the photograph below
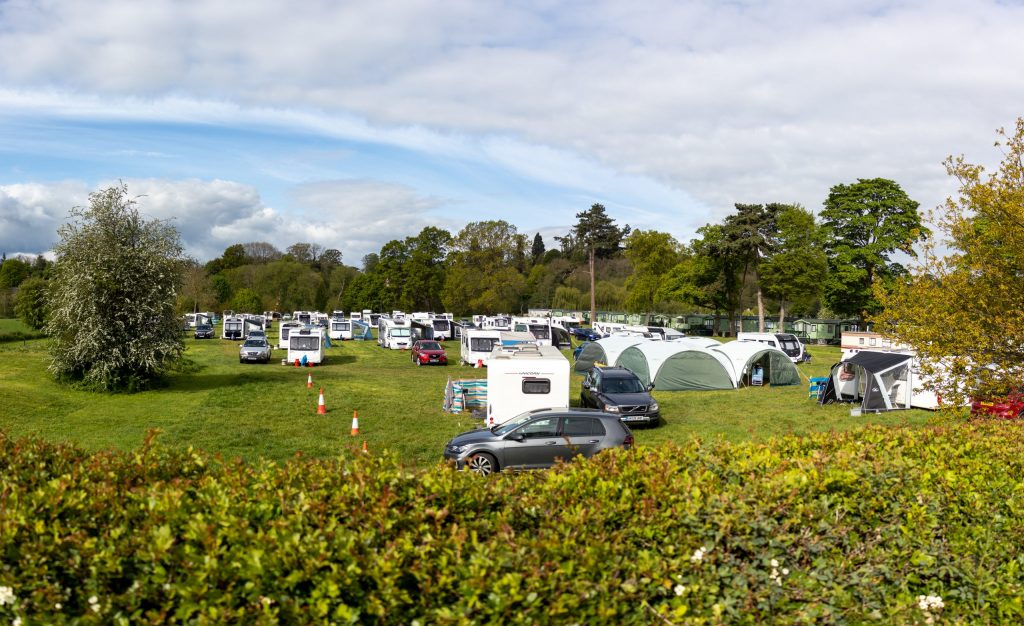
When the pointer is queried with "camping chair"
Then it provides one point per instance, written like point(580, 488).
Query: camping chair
point(817, 387)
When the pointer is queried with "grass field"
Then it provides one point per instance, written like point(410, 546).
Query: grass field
point(217, 404)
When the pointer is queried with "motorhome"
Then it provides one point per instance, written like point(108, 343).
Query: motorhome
point(396, 335)
point(783, 341)
point(306, 342)
point(421, 329)
point(284, 330)
point(477, 344)
point(232, 328)
point(525, 378)
point(341, 328)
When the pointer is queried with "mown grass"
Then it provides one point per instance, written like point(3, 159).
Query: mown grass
point(15, 330)
point(215, 403)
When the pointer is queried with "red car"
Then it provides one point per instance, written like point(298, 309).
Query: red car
point(1005, 407)
point(428, 352)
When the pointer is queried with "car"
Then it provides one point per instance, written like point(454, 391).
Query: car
point(257, 334)
point(204, 331)
point(428, 352)
point(586, 334)
point(1010, 406)
point(618, 390)
point(254, 350)
point(537, 439)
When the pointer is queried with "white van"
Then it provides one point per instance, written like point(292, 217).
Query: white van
point(525, 378)
point(394, 334)
point(477, 344)
point(306, 342)
point(783, 341)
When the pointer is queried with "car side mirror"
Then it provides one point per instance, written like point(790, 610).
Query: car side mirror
point(586, 386)
point(650, 386)
point(516, 437)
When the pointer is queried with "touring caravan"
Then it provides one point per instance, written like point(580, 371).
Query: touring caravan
point(284, 330)
point(341, 328)
point(232, 328)
point(546, 332)
point(396, 335)
point(477, 344)
point(783, 341)
point(879, 381)
point(524, 378)
point(306, 342)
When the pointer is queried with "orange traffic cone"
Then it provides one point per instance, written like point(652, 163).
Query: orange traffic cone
point(321, 408)
point(355, 422)
point(365, 449)
point(309, 382)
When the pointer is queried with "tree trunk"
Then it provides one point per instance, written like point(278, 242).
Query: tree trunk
point(760, 310)
point(593, 292)
point(782, 316)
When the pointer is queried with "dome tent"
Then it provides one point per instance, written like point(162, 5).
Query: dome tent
point(679, 365)
point(778, 368)
point(604, 351)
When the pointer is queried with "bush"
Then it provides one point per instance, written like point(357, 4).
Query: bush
point(834, 528)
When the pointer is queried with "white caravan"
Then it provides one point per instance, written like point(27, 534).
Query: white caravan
point(232, 328)
point(477, 344)
point(525, 378)
point(394, 334)
point(786, 342)
point(284, 330)
point(340, 329)
point(306, 342)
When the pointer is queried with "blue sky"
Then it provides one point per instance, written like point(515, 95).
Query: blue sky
point(350, 124)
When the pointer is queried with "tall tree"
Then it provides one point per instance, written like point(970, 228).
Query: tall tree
point(652, 254)
point(962, 306)
point(537, 250)
point(750, 236)
point(30, 303)
point(260, 252)
point(12, 272)
point(707, 276)
point(797, 270)
point(597, 236)
point(484, 269)
point(112, 295)
point(865, 223)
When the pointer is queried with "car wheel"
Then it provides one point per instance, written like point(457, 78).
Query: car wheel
point(483, 464)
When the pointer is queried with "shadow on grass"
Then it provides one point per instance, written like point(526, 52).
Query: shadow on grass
point(247, 373)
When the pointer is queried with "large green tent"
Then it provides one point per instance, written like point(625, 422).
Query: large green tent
point(604, 351)
point(690, 364)
point(776, 367)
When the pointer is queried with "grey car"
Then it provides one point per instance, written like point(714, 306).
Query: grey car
point(254, 350)
point(537, 439)
point(618, 390)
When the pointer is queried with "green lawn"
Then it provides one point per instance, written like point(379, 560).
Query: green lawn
point(222, 406)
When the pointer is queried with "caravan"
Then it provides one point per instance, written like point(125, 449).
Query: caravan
point(341, 328)
point(284, 330)
point(477, 344)
point(306, 344)
point(546, 332)
point(232, 328)
point(879, 381)
point(396, 335)
point(524, 378)
point(783, 341)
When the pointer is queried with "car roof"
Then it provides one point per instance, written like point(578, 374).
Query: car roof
point(616, 372)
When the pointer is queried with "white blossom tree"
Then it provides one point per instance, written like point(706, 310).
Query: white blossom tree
point(112, 295)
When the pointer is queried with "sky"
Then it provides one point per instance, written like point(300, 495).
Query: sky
point(349, 124)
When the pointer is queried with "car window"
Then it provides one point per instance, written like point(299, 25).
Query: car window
point(622, 385)
point(575, 426)
point(539, 428)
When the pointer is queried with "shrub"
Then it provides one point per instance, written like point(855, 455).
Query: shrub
point(834, 528)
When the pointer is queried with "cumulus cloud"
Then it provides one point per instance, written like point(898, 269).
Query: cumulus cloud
point(30, 214)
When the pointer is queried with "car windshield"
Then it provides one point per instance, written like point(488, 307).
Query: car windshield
point(205, 327)
point(513, 423)
point(429, 345)
point(621, 385)
point(255, 343)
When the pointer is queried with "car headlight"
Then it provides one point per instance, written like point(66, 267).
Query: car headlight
point(653, 406)
point(457, 449)
point(611, 409)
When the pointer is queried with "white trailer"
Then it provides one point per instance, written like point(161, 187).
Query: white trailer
point(525, 378)
point(442, 328)
point(340, 329)
point(284, 330)
point(477, 344)
point(232, 328)
point(306, 342)
point(786, 342)
point(394, 334)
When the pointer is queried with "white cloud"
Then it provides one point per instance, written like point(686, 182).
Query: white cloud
point(30, 214)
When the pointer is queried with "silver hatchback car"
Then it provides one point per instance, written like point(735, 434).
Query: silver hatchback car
point(537, 439)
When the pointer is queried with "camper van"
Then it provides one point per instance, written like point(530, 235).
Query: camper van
point(341, 328)
point(284, 330)
point(232, 328)
point(477, 344)
point(783, 341)
point(306, 342)
point(396, 335)
point(524, 378)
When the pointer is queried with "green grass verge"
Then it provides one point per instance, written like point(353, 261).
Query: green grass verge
point(253, 411)
point(15, 330)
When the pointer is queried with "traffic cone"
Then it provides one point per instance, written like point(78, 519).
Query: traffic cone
point(365, 449)
point(309, 382)
point(355, 422)
point(321, 408)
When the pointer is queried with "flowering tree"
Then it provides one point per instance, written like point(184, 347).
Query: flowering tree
point(112, 295)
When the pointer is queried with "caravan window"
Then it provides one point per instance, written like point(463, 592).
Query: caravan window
point(482, 344)
point(540, 331)
point(536, 385)
point(304, 343)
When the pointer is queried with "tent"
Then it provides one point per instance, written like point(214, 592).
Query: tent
point(880, 381)
point(604, 351)
point(744, 356)
point(679, 365)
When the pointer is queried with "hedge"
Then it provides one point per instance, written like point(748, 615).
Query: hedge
point(887, 526)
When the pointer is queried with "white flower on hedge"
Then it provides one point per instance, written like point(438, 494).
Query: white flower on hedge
point(94, 604)
point(776, 576)
point(698, 555)
point(679, 589)
point(16, 621)
point(6, 596)
point(930, 603)
point(58, 606)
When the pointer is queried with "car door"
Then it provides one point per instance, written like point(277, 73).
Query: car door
point(535, 444)
point(582, 435)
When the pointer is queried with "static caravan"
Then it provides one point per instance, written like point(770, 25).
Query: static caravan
point(396, 335)
point(232, 328)
point(477, 344)
point(523, 379)
point(783, 341)
point(308, 343)
point(341, 328)
point(284, 330)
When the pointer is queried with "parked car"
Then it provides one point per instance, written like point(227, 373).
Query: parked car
point(537, 439)
point(257, 334)
point(1006, 407)
point(428, 352)
point(618, 390)
point(204, 331)
point(254, 350)
point(586, 334)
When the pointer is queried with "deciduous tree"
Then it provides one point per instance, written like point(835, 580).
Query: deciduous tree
point(30, 303)
point(797, 270)
point(596, 235)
